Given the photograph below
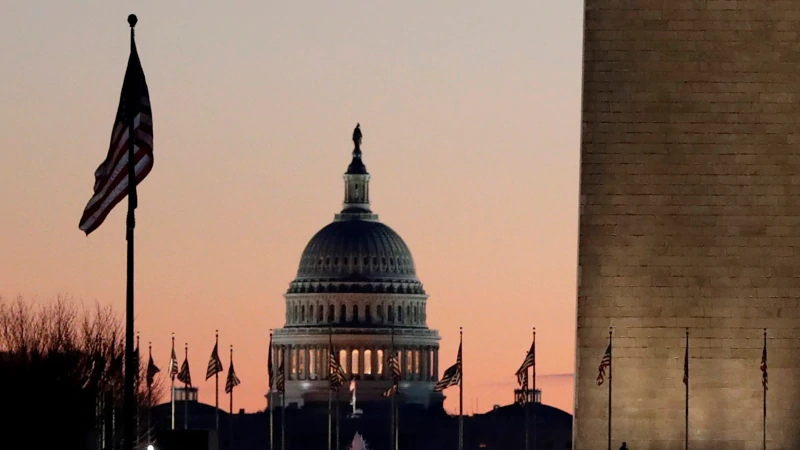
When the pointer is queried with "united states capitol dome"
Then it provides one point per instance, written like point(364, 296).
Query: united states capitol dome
point(355, 301)
point(356, 252)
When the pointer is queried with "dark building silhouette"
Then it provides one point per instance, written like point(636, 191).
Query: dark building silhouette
point(420, 428)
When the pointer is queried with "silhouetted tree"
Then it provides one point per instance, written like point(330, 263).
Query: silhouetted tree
point(62, 377)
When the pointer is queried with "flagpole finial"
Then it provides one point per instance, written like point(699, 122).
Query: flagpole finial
point(132, 19)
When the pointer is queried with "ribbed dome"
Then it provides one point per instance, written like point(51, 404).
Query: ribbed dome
point(356, 250)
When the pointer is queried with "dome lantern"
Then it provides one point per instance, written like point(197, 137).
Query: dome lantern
point(356, 186)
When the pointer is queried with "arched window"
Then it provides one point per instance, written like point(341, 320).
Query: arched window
point(367, 314)
point(343, 313)
point(312, 364)
point(301, 364)
point(416, 314)
point(380, 362)
point(367, 362)
point(390, 310)
point(408, 312)
point(311, 313)
point(355, 314)
point(400, 313)
point(295, 317)
point(303, 313)
point(293, 363)
point(354, 363)
point(320, 311)
point(331, 310)
point(343, 360)
point(379, 310)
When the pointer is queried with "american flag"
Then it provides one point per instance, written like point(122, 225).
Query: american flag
point(394, 366)
point(232, 380)
point(280, 379)
point(111, 177)
point(173, 363)
point(136, 366)
point(391, 391)
point(523, 382)
point(686, 362)
point(530, 361)
point(604, 364)
point(184, 376)
point(451, 376)
point(337, 376)
point(270, 369)
point(214, 363)
point(152, 370)
point(764, 364)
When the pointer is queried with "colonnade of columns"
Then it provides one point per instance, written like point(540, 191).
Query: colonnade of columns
point(310, 362)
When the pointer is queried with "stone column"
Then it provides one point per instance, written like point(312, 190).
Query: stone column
point(423, 355)
point(435, 365)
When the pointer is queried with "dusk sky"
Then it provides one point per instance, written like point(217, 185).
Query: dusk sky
point(470, 111)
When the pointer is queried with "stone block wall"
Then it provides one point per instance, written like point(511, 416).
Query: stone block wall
point(690, 217)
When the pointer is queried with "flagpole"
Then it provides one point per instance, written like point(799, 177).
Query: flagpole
point(686, 412)
point(230, 410)
point(283, 399)
point(149, 389)
point(172, 377)
point(461, 394)
point(338, 407)
point(534, 389)
point(525, 405)
point(186, 392)
point(216, 385)
point(764, 386)
point(136, 388)
point(271, 395)
point(330, 389)
point(610, 383)
point(393, 403)
point(149, 392)
point(128, 406)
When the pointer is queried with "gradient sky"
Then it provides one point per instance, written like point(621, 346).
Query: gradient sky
point(471, 116)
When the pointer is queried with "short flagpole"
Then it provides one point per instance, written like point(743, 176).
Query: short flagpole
point(136, 389)
point(283, 398)
point(271, 396)
point(686, 412)
point(338, 407)
point(230, 409)
point(534, 389)
point(610, 382)
point(172, 377)
point(393, 406)
point(186, 393)
point(461, 393)
point(764, 386)
point(216, 385)
point(149, 393)
point(128, 405)
point(330, 388)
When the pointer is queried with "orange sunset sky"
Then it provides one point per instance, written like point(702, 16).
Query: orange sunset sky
point(471, 117)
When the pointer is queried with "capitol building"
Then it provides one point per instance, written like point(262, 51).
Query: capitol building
point(357, 291)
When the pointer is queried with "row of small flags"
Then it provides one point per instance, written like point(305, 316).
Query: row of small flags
point(605, 362)
point(184, 375)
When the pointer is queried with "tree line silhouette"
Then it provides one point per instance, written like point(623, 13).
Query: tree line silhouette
point(62, 377)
